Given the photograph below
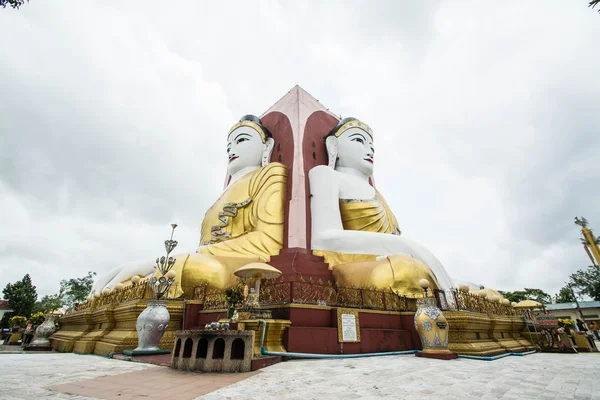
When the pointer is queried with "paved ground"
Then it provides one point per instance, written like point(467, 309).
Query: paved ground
point(24, 376)
point(538, 376)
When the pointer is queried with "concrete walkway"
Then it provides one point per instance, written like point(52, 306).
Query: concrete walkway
point(538, 376)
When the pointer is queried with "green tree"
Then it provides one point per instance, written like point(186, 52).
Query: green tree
point(587, 282)
point(527, 293)
point(538, 295)
point(76, 290)
point(564, 295)
point(49, 303)
point(594, 3)
point(12, 3)
point(21, 296)
point(516, 296)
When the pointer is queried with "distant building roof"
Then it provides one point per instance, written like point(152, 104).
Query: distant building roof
point(570, 306)
point(4, 306)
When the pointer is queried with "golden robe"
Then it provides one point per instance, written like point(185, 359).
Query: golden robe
point(244, 225)
point(400, 273)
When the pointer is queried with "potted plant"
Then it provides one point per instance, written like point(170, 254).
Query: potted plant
point(36, 319)
point(17, 322)
point(234, 297)
point(565, 323)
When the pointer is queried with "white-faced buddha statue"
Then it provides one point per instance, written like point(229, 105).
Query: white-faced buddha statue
point(244, 225)
point(354, 229)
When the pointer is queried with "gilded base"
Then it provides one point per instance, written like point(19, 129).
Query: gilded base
point(124, 335)
point(104, 322)
point(273, 334)
point(72, 327)
point(470, 334)
point(110, 328)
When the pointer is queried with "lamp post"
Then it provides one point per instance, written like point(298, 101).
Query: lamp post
point(153, 322)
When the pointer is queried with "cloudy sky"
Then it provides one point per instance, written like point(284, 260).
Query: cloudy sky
point(114, 116)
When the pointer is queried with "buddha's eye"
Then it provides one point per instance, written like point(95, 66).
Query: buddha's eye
point(359, 140)
point(240, 140)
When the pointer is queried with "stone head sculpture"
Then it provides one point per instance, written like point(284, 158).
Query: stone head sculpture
point(350, 145)
point(249, 145)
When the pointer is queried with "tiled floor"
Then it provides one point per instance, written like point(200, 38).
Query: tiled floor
point(153, 383)
point(538, 376)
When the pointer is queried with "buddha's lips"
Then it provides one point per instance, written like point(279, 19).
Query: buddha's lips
point(233, 158)
point(369, 160)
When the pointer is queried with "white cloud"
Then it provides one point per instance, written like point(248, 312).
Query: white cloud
point(115, 114)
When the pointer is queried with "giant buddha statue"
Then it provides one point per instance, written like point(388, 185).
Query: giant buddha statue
point(353, 227)
point(244, 225)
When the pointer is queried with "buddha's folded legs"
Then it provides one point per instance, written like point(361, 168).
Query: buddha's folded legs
point(400, 273)
point(199, 270)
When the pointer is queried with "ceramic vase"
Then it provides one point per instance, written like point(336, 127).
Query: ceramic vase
point(151, 325)
point(431, 326)
point(44, 331)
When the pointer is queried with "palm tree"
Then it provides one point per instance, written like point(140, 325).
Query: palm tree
point(594, 3)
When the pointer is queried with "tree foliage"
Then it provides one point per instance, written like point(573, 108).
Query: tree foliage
point(49, 303)
point(594, 3)
point(76, 290)
point(12, 3)
point(587, 282)
point(527, 293)
point(516, 296)
point(21, 296)
point(564, 295)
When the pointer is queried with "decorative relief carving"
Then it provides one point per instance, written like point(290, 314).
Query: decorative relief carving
point(218, 232)
point(469, 302)
point(301, 291)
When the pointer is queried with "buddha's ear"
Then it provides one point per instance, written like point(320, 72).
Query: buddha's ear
point(266, 158)
point(331, 143)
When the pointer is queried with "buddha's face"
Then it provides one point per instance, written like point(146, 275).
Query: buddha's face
point(244, 149)
point(355, 150)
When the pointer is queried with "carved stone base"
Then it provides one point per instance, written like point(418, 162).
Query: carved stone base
point(273, 334)
point(502, 331)
point(104, 322)
point(72, 327)
point(469, 334)
point(213, 351)
point(124, 335)
point(437, 355)
point(145, 352)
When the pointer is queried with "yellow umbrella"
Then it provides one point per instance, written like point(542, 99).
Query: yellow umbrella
point(528, 304)
point(257, 271)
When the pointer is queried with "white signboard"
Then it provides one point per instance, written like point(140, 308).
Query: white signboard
point(349, 328)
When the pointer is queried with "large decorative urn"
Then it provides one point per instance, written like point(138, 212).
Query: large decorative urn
point(151, 325)
point(154, 320)
point(432, 327)
point(43, 332)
